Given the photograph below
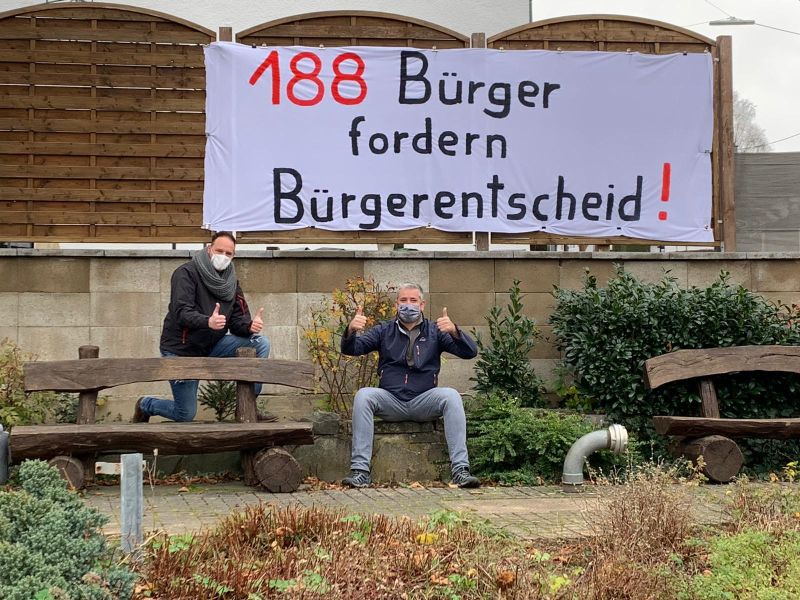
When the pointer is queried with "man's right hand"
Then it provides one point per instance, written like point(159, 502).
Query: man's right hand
point(216, 320)
point(359, 321)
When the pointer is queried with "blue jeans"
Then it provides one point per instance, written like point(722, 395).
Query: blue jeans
point(428, 406)
point(184, 391)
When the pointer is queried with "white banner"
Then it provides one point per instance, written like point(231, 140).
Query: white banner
point(589, 144)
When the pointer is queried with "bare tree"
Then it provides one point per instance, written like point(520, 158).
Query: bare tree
point(748, 136)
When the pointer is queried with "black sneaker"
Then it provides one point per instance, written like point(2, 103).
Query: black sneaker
point(463, 479)
point(357, 479)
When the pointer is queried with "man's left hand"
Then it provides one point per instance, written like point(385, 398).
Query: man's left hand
point(445, 325)
point(258, 322)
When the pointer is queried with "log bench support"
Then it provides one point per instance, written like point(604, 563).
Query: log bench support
point(72, 448)
point(710, 435)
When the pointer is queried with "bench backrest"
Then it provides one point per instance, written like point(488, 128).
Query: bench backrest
point(707, 362)
point(90, 374)
point(704, 363)
point(101, 373)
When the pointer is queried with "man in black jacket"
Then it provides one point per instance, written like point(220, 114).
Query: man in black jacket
point(207, 316)
point(409, 359)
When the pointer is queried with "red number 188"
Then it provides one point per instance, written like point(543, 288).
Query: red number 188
point(312, 76)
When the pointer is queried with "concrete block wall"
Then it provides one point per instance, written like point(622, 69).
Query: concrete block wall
point(56, 300)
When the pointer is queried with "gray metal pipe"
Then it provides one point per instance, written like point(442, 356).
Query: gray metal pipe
point(615, 438)
point(3, 456)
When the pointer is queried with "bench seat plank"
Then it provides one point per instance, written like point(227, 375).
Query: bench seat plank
point(780, 429)
point(46, 441)
point(101, 373)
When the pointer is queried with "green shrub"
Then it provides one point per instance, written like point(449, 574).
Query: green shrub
point(51, 545)
point(503, 364)
point(17, 407)
point(512, 444)
point(219, 396)
point(606, 334)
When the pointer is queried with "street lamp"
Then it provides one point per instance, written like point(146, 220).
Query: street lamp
point(732, 21)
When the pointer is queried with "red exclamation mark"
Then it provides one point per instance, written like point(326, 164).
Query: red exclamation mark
point(662, 214)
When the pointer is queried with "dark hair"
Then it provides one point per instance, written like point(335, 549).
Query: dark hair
point(219, 234)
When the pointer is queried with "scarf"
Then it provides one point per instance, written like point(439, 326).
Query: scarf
point(221, 284)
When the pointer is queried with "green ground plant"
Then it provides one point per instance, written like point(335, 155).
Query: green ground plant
point(340, 376)
point(503, 363)
point(512, 444)
point(607, 333)
point(51, 546)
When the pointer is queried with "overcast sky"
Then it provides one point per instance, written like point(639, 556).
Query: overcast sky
point(766, 62)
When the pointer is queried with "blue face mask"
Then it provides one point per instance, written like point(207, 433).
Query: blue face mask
point(409, 313)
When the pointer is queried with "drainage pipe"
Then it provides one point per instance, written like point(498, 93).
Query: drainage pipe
point(615, 438)
point(3, 456)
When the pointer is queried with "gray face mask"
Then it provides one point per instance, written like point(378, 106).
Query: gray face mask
point(409, 313)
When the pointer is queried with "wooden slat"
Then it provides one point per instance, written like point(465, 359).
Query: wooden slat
point(604, 35)
point(353, 31)
point(546, 238)
point(320, 236)
point(40, 217)
point(90, 195)
point(160, 58)
point(184, 78)
point(132, 104)
point(64, 172)
point(94, 12)
point(688, 364)
point(15, 31)
point(43, 441)
point(779, 429)
point(88, 126)
point(101, 149)
point(102, 373)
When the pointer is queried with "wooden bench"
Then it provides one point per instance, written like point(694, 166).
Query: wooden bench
point(709, 435)
point(72, 448)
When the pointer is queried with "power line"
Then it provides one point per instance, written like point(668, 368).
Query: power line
point(717, 7)
point(778, 29)
point(770, 143)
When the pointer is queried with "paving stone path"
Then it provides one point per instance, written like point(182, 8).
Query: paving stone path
point(529, 512)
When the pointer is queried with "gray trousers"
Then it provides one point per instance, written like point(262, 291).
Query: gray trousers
point(428, 406)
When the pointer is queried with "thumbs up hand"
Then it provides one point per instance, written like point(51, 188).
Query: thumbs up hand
point(359, 321)
point(258, 321)
point(216, 321)
point(445, 325)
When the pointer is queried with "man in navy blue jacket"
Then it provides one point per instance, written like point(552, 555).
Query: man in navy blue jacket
point(409, 359)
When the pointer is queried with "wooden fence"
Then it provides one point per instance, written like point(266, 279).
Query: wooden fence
point(102, 124)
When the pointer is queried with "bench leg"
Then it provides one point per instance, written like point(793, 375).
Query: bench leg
point(722, 458)
point(71, 470)
point(277, 470)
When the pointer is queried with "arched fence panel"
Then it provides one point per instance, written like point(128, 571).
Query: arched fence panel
point(102, 124)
